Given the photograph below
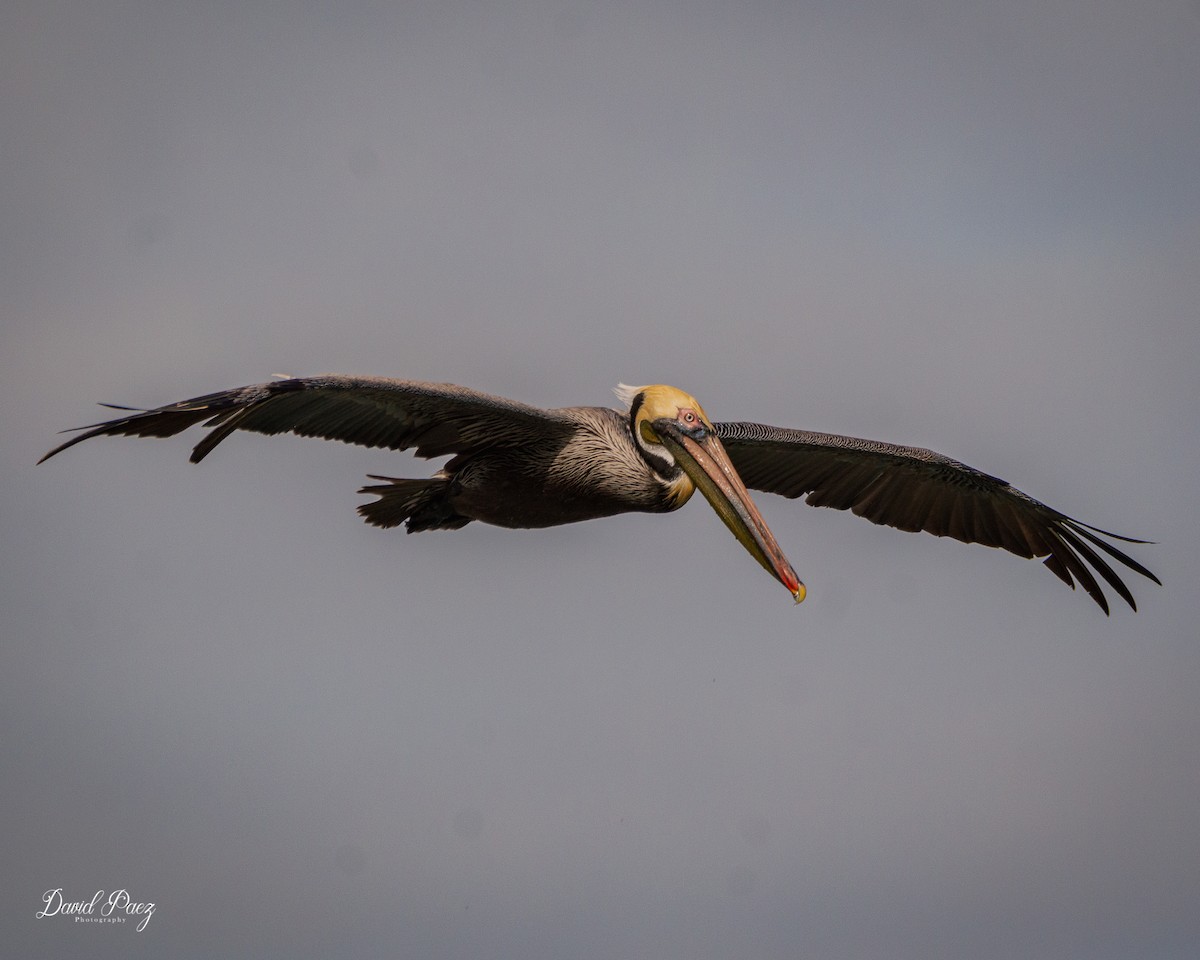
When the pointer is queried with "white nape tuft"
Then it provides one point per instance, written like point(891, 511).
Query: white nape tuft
point(283, 376)
point(627, 394)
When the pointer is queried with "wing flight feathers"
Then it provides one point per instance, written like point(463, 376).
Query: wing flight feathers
point(912, 488)
point(433, 418)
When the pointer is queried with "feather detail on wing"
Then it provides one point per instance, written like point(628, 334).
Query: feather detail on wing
point(434, 418)
point(911, 488)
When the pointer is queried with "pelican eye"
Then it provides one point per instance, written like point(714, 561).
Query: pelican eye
point(691, 423)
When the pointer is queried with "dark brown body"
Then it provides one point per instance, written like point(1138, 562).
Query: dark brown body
point(594, 471)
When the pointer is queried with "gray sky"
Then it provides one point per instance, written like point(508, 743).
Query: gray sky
point(974, 227)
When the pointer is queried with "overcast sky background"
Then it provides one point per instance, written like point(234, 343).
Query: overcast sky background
point(969, 226)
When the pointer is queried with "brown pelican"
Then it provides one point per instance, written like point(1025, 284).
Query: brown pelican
point(515, 465)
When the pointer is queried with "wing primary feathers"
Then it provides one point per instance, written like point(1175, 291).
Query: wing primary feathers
point(1055, 566)
point(912, 488)
point(1085, 531)
point(1098, 564)
point(367, 411)
point(163, 422)
point(1073, 558)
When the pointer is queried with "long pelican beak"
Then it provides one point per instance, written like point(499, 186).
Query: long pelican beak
point(703, 458)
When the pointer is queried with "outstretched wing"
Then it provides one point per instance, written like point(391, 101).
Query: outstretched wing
point(911, 488)
point(434, 418)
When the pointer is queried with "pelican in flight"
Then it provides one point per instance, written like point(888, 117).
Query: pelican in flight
point(514, 465)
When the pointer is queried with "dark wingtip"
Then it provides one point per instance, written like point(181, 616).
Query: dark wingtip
point(70, 443)
point(96, 428)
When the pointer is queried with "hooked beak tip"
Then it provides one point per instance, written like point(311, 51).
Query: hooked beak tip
point(704, 459)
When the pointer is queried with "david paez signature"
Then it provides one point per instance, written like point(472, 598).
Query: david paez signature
point(118, 908)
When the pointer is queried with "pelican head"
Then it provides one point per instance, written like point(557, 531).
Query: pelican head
point(673, 433)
